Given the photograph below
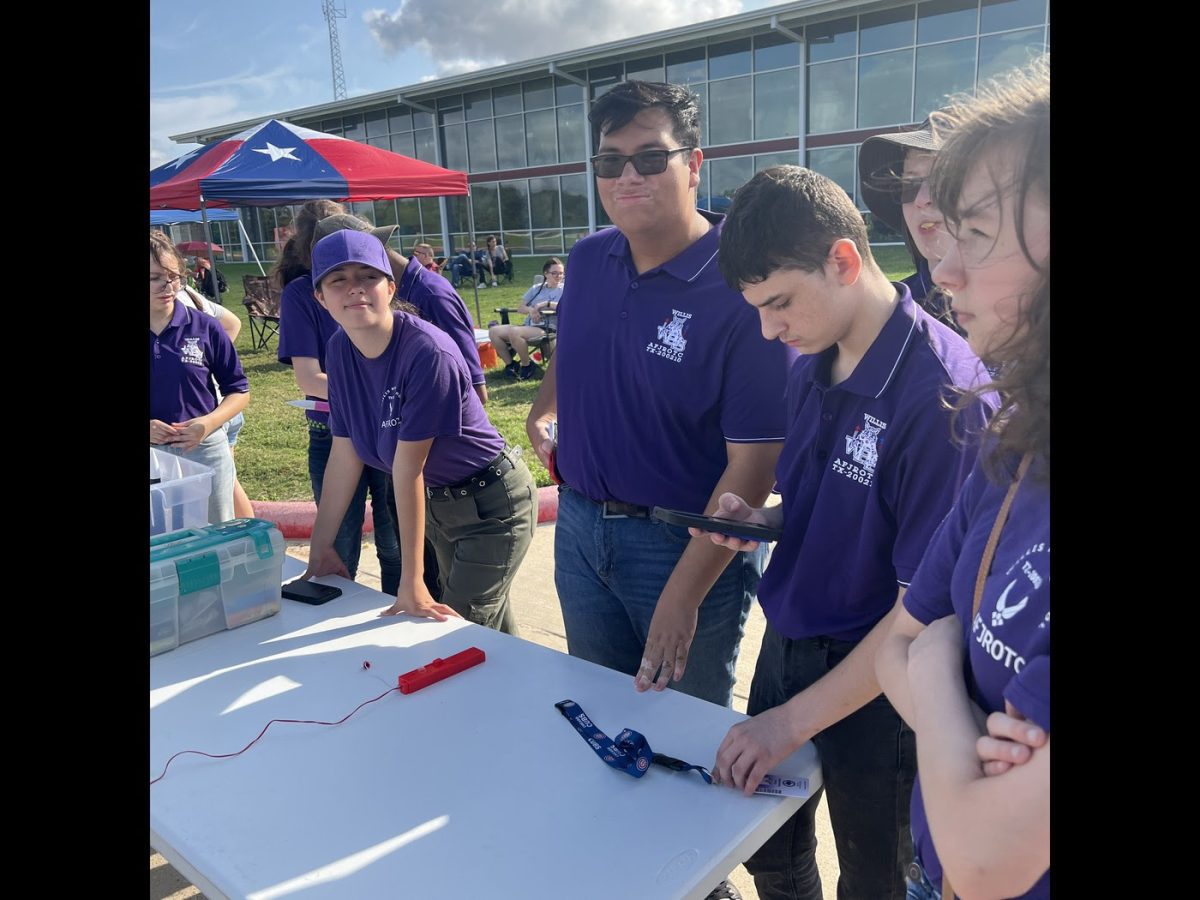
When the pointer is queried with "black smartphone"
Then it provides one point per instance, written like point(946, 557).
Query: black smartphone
point(439, 260)
point(310, 592)
point(747, 531)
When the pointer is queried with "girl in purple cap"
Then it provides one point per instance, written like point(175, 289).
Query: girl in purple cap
point(401, 400)
point(981, 804)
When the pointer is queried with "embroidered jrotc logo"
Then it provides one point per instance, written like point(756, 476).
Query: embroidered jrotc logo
point(1003, 612)
point(191, 352)
point(671, 333)
point(390, 402)
point(672, 337)
point(862, 445)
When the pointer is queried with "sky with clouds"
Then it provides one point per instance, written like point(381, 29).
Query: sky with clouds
point(227, 60)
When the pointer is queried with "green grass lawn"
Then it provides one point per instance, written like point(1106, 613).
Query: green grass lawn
point(272, 451)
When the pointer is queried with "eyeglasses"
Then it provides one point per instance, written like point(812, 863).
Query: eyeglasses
point(556, 273)
point(157, 282)
point(910, 186)
point(647, 162)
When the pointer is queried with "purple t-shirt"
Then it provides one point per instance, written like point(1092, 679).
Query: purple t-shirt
point(1008, 641)
point(192, 351)
point(440, 304)
point(656, 371)
point(418, 388)
point(868, 471)
point(305, 327)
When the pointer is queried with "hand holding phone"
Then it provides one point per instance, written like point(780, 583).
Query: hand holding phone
point(747, 531)
point(310, 592)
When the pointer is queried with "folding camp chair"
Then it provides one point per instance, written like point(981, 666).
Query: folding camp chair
point(262, 305)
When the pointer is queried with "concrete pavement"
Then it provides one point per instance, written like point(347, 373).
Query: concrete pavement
point(535, 603)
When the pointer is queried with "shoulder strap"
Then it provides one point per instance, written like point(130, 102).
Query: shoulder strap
point(989, 550)
point(985, 564)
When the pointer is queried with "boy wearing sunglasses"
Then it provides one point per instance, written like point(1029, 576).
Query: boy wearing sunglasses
point(665, 394)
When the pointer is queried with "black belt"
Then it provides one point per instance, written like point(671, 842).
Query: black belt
point(489, 474)
point(615, 509)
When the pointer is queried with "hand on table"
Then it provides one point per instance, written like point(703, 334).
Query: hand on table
point(752, 748)
point(415, 600)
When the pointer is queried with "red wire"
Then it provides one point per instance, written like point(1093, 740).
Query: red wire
point(264, 731)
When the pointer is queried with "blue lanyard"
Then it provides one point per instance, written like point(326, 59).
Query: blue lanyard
point(629, 753)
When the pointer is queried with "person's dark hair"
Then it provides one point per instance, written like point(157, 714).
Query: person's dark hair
point(296, 258)
point(163, 249)
point(1008, 124)
point(787, 217)
point(552, 261)
point(620, 106)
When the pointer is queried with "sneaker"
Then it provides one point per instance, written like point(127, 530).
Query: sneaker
point(483, 284)
point(513, 369)
point(724, 891)
point(527, 371)
point(494, 284)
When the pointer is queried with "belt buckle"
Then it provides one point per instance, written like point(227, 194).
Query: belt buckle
point(605, 514)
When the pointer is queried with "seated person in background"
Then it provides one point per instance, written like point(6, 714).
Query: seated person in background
point(539, 297)
point(204, 278)
point(462, 263)
point(498, 261)
point(424, 255)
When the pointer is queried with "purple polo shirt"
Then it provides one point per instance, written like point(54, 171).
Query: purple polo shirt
point(440, 304)
point(656, 371)
point(418, 388)
point(305, 327)
point(1008, 641)
point(868, 471)
point(191, 352)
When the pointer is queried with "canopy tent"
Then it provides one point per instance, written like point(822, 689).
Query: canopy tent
point(277, 163)
point(186, 216)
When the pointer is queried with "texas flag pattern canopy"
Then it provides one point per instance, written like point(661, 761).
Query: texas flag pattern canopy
point(276, 163)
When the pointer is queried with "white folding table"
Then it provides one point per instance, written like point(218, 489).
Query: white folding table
point(470, 788)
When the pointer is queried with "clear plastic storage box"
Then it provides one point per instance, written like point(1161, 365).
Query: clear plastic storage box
point(179, 499)
point(205, 580)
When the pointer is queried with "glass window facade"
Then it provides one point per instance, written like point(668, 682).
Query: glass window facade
point(910, 58)
point(874, 68)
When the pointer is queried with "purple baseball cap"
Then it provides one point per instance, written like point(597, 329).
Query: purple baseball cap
point(348, 246)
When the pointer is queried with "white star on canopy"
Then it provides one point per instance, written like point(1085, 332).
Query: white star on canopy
point(278, 153)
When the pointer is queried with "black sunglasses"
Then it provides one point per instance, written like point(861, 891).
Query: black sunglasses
point(905, 187)
point(646, 162)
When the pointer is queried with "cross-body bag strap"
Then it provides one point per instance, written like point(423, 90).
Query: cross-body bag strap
point(985, 564)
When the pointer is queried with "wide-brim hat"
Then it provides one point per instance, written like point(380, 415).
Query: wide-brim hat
point(341, 221)
point(348, 245)
point(880, 162)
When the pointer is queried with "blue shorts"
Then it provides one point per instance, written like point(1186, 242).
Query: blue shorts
point(233, 427)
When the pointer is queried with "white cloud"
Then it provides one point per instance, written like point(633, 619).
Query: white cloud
point(509, 30)
point(248, 94)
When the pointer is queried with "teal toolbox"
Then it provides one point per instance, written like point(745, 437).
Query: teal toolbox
point(205, 580)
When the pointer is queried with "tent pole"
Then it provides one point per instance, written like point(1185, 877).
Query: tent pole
point(250, 244)
point(474, 274)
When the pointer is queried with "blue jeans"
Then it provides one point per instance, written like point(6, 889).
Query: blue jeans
point(919, 885)
point(868, 762)
point(348, 542)
point(461, 265)
point(233, 428)
point(609, 574)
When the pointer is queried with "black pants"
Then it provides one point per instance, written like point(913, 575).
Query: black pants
point(868, 761)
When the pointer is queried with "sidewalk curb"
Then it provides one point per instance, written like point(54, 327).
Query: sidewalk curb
point(295, 518)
